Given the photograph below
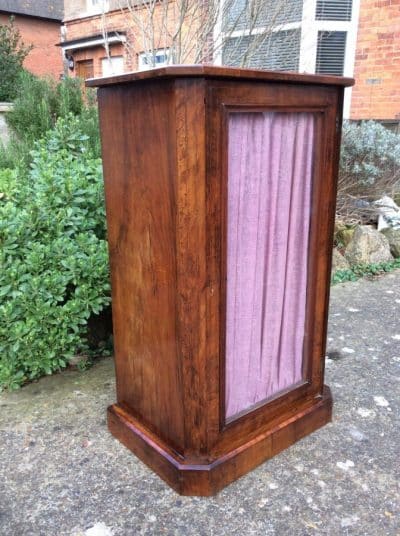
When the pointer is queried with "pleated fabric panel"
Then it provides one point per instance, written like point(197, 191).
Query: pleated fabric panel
point(270, 162)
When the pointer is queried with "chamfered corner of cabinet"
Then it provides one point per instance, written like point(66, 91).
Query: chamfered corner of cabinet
point(206, 479)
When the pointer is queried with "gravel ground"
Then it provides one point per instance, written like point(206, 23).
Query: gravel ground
point(62, 473)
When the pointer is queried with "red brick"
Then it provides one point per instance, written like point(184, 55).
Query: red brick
point(378, 31)
point(116, 21)
point(45, 58)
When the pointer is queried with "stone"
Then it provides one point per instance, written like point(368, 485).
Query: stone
point(344, 236)
point(368, 246)
point(4, 131)
point(389, 213)
point(343, 232)
point(338, 261)
point(78, 360)
point(393, 236)
point(339, 225)
point(99, 529)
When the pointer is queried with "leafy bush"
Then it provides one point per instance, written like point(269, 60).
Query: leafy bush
point(39, 103)
point(363, 270)
point(369, 167)
point(370, 152)
point(53, 255)
point(12, 54)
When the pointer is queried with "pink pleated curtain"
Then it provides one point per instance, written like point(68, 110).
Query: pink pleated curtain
point(270, 161)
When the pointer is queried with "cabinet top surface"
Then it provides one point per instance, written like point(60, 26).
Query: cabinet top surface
point(211, 71)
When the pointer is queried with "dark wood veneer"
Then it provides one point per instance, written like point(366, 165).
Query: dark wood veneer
point(208, 478)
point(164, 140)
point(211, 71)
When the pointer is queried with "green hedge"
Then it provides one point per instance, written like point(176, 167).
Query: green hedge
point(39, 103)
point(53, 254)
point(12, 54)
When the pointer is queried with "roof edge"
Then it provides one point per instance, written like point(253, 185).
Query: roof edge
point(88, 38)
point(30, 15)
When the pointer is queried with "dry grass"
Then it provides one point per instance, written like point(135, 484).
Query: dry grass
point(353, 196)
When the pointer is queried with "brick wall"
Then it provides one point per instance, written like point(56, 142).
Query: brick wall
point(92, 26)
point(74, 9)
point(376, 94)
point(116, 21)
point(45, 58)
point(97, 54)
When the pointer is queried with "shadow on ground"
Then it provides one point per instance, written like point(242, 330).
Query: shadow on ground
point(61, 472)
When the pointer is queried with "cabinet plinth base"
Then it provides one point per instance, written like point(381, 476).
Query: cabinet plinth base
point(208, 479)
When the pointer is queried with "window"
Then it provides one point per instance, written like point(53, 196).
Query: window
point(147, 60)
point(331, 49)
point(241, 15)
point(97, 6)
point(334, 10)
point(279, 51)
point(112, 65)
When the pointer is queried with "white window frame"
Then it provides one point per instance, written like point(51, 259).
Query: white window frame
point(104, 61)
point(309, 42)
point(142, 64)
point(255, 31)
point(220, 36)
point(97, 6)
point(309, 28)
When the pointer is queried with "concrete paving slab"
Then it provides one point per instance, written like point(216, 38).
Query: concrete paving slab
point(62, 473)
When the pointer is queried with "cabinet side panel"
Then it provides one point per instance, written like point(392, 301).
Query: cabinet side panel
point(137, 125)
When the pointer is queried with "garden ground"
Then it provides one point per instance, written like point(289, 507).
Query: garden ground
point(62, 473)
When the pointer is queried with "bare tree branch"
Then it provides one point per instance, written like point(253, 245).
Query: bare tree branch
point(200, 31)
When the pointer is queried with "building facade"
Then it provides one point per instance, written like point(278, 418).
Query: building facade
point(312, 36)
point(39, 23)
point(340, 37)
point(99, 38)
point(376, 94)
point(85, 39)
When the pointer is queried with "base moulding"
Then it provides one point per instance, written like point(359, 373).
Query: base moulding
point(208, 479)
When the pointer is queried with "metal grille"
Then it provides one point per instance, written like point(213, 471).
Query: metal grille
point(333, 10)
point(331, 50)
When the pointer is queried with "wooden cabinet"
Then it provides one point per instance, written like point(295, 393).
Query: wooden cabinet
point(220, 193)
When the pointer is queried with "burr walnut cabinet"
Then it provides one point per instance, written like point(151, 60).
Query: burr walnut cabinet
point(220, 190)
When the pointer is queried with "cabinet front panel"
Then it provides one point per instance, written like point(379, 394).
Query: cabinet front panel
point(271, 190)
point(270, 169)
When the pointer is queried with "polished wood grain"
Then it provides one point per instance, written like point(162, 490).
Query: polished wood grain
point(164, 141)
point(223, 98)
point(191, 240)
point(208, 479)
point(141, 215)
point(211, 71)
